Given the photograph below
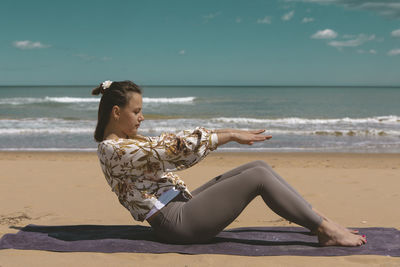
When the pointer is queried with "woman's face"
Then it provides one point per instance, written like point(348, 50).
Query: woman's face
point(131, 115)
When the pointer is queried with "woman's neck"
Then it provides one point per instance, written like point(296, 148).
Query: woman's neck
point(113, 133)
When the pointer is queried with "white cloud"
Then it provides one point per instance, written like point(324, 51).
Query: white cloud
point(211, 16)
point(307, 20)
point(266, 20)
point(396, 33)
point(394, 52)
point(359, 40)
point(29, 45)
point(182, 52)
point(325, 34)
point(288, 16)
point(238, 20)
point(371, 51)
point(386, 8)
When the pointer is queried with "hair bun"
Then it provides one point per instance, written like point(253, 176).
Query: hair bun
point(99, 89)
point(102, 87)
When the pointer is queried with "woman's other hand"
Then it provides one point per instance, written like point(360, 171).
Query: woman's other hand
point(249, 137)
point(241, 136)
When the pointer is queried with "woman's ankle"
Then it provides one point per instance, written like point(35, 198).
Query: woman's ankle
point(325, 227)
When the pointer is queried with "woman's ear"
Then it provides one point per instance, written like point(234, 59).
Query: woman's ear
point(115, 112)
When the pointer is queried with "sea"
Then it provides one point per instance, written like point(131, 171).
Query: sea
point(361, 119)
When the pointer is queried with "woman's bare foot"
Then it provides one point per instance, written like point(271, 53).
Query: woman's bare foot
point(353, 231)
point(329, 220)
point(330, 234)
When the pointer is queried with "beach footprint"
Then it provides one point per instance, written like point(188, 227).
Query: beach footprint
point(19, 217)
point(13, 218)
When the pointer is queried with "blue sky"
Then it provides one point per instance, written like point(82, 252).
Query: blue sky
point(208, 42)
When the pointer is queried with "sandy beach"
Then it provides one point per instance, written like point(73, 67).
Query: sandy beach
point(68, 188)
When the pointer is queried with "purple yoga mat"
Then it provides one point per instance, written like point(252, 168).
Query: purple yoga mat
point(247, 241)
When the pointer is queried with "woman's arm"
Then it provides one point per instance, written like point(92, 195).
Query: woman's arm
point(240, 136)
point(224, 130)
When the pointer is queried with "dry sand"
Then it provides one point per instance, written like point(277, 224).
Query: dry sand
point(65, 188)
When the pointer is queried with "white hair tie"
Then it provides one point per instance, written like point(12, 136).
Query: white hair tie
point(106, 84)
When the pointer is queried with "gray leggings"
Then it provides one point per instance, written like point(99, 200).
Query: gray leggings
point(220, 201)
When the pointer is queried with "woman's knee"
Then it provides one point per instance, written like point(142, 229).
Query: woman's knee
point(261, 163)
point(259, 174)
point(258, 179)
point(253, 164)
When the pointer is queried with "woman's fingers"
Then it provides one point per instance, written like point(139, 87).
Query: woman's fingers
point(263, 137)
point(259, 138)
point(257, 131)
point(249, 137)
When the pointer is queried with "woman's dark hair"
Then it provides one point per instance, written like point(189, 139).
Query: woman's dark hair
point(115, 95)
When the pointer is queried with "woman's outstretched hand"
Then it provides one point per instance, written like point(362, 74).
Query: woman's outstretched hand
point(241, 136)
point(249, 137)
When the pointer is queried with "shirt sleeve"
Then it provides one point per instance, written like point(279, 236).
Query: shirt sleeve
point(139, 170)
point(151, 156)
point(184, 149)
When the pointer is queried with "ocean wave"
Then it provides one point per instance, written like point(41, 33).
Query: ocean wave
point(50, 149)
point(24, 131)
point(20, 100)
point(366, 132)
point(390, 119)
point(158, 130)
point(46, 99)
point(68, 99)
point(42, 120)
point(175, 100)
point(385, 126)
point(45, 125)
point(338, 133)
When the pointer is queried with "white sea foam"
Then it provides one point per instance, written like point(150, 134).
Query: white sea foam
point(24, 131)
point(20, 100)
point(67, 99)
point(45, 125)
point(175, 100)
point(391, 119)
point(46, 99)
point(338, 133)
point(385, 126)
point(49, 149)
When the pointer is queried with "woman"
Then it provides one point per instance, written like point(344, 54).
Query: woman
point(140, 170)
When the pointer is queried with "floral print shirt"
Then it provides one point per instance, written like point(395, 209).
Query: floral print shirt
point(140, 170)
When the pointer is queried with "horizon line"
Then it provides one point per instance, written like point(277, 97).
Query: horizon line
point(199, 85)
